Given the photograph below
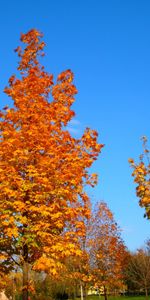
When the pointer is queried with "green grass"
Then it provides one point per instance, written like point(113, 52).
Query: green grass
point(94, 297)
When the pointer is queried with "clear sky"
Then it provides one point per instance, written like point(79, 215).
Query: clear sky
point(107, 46)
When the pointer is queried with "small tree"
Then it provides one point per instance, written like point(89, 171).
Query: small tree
point(107, 250)
point(141, 174)
point(138, 271)
point(43, 169)
point(78, 271)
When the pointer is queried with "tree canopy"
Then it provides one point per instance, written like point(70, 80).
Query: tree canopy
point(43, 169)
point(141, 174)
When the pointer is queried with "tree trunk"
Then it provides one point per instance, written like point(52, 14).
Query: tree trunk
point(105, 293)
point(85, 292)
point(25, 273)
point(81, 289)
point(25, 281)
point(146, 293)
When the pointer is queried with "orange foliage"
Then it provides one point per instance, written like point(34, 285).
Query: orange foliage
point(141, 174)
point(43, 169)
point(107, 250)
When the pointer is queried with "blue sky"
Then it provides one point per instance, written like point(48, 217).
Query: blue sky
point(107, 46)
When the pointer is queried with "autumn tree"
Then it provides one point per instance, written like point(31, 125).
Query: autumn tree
point(107, 250)
point(77, 272)
point(138, 271)
point(141, 174)
point(81, 270)
point(43, 169)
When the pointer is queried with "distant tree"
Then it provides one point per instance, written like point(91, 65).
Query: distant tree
point(78, 271)
point(147, 246)
point(138, 271)
point(43, 169)
point(141, 174)
point(107, 250)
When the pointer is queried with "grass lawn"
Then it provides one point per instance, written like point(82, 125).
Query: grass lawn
point(117, 297)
